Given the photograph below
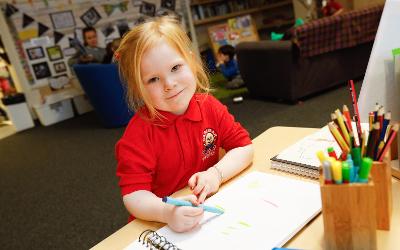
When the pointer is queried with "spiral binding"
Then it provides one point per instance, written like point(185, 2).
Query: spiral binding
point(152, 240)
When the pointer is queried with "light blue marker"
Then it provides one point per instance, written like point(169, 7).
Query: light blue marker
point(178, 202)
point(352, 168)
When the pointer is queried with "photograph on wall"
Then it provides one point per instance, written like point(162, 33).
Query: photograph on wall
point(90, 17)
point(58, 82)
point(54, 53)
point(148, 9)
point(62, 19)
point(136, 3)
point(59, 67)
point(70, 51)
point(41, 70)
point(35, 53)
point(168, 4)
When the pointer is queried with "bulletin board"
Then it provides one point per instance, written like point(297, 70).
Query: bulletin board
point(234, 31)
point(45, 31)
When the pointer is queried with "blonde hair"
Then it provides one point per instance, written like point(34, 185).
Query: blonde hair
point(143, 37)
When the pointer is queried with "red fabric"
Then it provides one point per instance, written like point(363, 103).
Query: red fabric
point(5, 86)
point(337, 32)
point(161, 156)
point(331, 7)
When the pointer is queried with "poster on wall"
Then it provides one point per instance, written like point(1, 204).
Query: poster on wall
point(41, 70)
point(136, 3)
point(168, 4)
point(62, 19)
point(35, 53)
point(90, 17)
point(54, 53)
point(69, 51)
point(148, 9)
point(59, 67)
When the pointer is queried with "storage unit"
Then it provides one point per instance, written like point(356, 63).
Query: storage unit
point(82, 104)
point(19, 115)
point(52, 113)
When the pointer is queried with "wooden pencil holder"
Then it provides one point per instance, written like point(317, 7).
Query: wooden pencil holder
point(349, 215)
point(382, 177)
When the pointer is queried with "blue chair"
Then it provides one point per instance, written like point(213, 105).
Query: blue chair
point(106, 93)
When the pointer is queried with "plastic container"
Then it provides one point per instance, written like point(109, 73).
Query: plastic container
point(52, 113)
point(18, 112)
point(82, 104)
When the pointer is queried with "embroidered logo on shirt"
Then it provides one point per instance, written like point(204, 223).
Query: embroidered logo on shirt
point(209, 141)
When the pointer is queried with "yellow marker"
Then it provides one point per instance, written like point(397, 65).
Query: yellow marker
point(331, 160)
point(321, 156)
point(338, 137)
point(337, 172)
point(343, 126)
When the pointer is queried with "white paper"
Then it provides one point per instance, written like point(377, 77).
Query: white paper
point(379, 85)
point(262, 211)
point(304, 151)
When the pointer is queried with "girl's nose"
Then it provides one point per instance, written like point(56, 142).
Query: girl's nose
point(169, 84)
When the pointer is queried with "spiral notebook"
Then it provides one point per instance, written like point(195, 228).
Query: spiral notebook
point(300, 158)
point(262, 211)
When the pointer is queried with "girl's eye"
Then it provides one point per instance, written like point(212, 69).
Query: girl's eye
point(152, 80)
point(176, 67)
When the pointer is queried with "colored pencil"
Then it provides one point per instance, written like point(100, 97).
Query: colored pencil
point(355, 108)
point(392, 135)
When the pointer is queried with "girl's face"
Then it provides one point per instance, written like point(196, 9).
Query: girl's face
point(91, 38)
point(167, 78)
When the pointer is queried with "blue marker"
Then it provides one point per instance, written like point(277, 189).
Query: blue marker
point(352, 168)
point(178, 202)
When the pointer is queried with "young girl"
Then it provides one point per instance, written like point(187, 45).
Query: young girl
point(175, 137)
point(91, 53)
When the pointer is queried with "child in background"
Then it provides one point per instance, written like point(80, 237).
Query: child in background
point(227, 64)
point(175, 137)
point(90, 53)
point(111, 48)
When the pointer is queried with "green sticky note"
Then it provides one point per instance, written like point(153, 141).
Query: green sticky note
point(396, 52)
point(276, 36)
point(298, 22)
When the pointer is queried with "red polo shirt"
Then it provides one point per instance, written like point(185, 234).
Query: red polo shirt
point(161, 156)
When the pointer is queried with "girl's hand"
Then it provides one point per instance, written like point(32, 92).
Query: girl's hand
point(182, 219)
point(204, 183)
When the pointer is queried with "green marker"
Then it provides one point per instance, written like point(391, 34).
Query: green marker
point(346, 172)
point(356, 156)
point(366, 165)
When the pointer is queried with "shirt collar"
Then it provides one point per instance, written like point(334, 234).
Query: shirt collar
point(193, 113)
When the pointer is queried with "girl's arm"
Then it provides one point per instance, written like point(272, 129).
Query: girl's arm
point(145, 205)
point(233, 162)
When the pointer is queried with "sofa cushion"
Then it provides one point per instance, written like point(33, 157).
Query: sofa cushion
point(337, 32)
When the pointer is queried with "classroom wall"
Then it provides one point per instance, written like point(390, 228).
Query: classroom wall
point(50, 25)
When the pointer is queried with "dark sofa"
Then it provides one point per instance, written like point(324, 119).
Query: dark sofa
point(321, 54)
